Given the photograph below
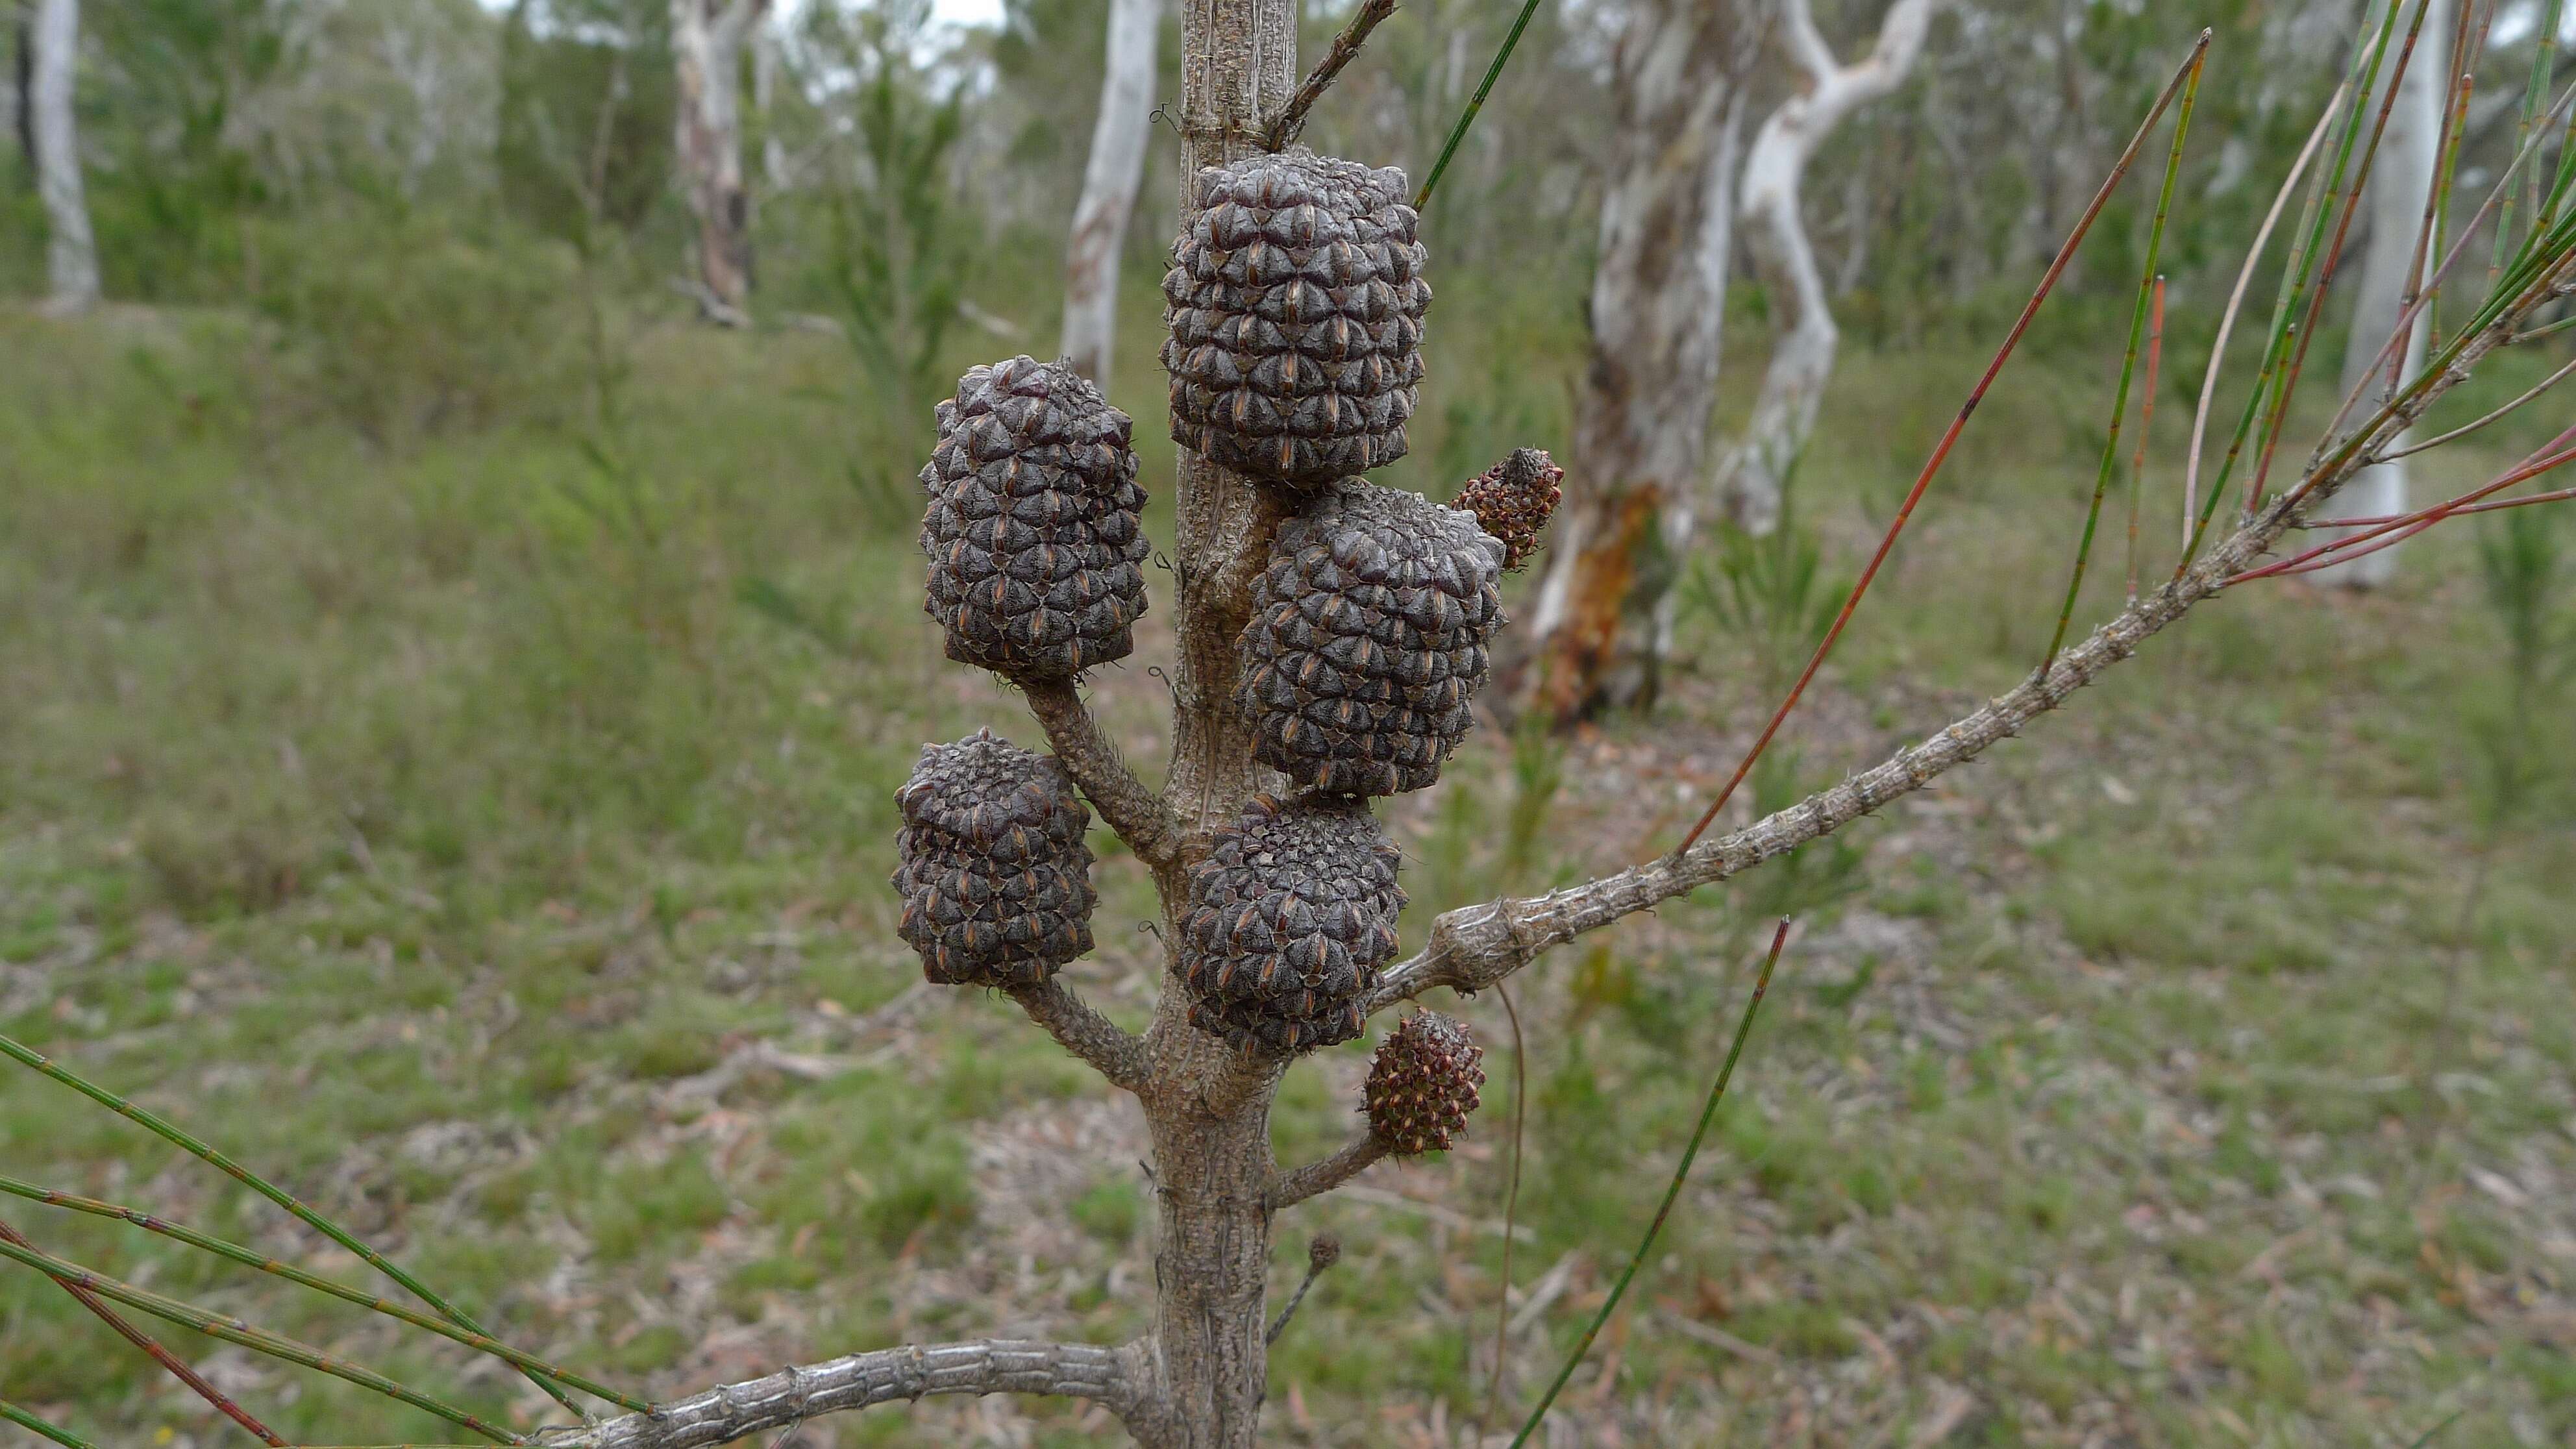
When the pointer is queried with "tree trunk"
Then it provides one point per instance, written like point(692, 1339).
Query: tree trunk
point(1804, 338)
point(2400, 179)
point(1212, 1160)
point(1596, 638)
point(71, 257)
point(706, 49)
point(1109, 184)
point(22, 81)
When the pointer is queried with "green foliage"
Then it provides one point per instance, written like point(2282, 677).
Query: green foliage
point(402, 323)
point(899, 254)
point(586, 114)
point(2523, 576)
point(1770, 592)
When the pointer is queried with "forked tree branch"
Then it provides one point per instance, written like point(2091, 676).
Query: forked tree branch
point(1117, 1053)
point(1345, 46)
point(1096, 766)
point(1118, 1379)
point(1323, 1175)
point(1475, 946)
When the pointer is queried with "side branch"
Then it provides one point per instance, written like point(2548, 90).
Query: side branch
point(1118, 1054)
point(1118, 1379)
point(1345, 45)
point(1094, 762)
point(1475, 946)
point(1320, 1177)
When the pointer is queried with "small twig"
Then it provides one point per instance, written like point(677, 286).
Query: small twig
point(2430, 292)
point(234, 1331)
point(2560, 451)
point(1324, 1174)
point(1092, 759)
point(1117, 1053)
point(2235, 305)
point(1322, 1251)
point(2288, 385)
point(2455, 110)
point(1672, 1192)
point(2411, 449)
point(2147, 288)
point(1345, 46)
point(152, 1349)
point(1511, 1205)
point(2555, 495)
point(2544, 330)
point(171, 1133)
point(2464, 59)
point(1950, 437)
point(2146, 428)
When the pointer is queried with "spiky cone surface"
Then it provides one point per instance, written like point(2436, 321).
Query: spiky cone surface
point(1289, 919)
point(1036, 550)
point(1422, 1085)
point(1296, 307)
point(1368, 640)
point(995, 879)
point(1513, 500)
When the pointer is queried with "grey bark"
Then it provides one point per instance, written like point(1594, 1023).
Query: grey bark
point(22, 79)
point(1119, 1379)
point(707, 37)
point(71, 256)
point(2400, 179)
point(1596, 637)
point(1099, 234)
point(1804, 338)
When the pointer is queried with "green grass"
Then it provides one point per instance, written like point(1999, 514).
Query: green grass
point(440, 826)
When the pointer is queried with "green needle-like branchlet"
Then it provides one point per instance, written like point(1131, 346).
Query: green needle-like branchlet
point(1681, 1175)
point(170, 1132)
point(235, 1331)
point(181, 1232)
point(11, 1413)
point(2129, 359)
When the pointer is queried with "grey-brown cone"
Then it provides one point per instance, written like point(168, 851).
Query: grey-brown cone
point(1036, 553)
point(1369, 639)
point(1296, 304)
point(995, 878)
point(1289, 918)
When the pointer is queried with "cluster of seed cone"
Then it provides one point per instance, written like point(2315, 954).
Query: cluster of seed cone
point(1296, 310)
point(1296, 306)
point(1289, 919)
point(1036, 556)
point(995, 879)
point(1368, 640)
point(1422, 1085)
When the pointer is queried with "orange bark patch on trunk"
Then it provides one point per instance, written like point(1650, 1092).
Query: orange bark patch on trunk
point(1587, 643)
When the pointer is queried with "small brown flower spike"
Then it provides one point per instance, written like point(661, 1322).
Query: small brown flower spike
point(1513, 500)
point(1422, 1084)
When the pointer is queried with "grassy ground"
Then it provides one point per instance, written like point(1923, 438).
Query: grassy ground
point(485, 832)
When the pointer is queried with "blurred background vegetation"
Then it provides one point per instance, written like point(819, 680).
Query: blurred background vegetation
point(451, 695)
